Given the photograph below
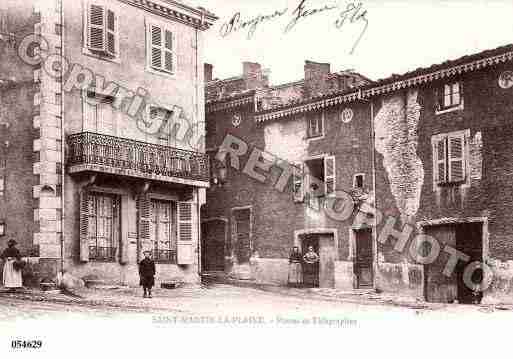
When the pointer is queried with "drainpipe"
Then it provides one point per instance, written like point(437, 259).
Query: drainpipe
point(63, 139)
point(375, 204)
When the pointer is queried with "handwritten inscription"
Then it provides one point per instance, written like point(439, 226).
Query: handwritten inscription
point(351, 13)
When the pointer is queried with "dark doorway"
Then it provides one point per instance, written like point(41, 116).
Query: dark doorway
point(310, 272)
point(363, 258)
point(469, 241)
point(440, 288)
point(212, 245)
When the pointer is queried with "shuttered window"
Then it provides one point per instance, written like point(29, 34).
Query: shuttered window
point(186, 232)
point(162, 49)
point(163, 231)
point(99, 226)
point(102, 30)
point(450, 159)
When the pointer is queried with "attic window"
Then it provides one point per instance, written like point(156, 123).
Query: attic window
point(358, 180)
point(449, 97)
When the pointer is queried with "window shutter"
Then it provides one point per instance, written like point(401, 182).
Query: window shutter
point(329, 175)
point(169, 53)
point(111, 33)
point(156, 47)
point(439, 98)
point(457, 158)
point(440, 156)
point(298, 185)
point(124, 243)
point(144, 224)
point(84, 225)
point(96, 30)
point(185, 233)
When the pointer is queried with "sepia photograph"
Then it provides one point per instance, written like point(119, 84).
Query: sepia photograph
point(243, 178)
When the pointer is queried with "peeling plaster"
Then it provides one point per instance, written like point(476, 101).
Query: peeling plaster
point(397, 140)
point(286, 140)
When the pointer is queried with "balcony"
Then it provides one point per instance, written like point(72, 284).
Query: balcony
point(93, 152)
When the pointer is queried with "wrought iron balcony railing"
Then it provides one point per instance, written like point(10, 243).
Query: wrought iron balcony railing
point(96, 152)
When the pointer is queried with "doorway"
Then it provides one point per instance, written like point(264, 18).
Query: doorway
point(440, 288)
point(321, 274)
point(363, 260)
point(213, 245)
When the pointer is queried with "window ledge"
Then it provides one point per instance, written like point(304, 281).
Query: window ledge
point(450, 109)
point(87, 52)
point(313, 138)
point(169, 75)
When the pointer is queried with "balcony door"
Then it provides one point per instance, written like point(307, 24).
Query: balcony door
point(103, 226)
point(163, 230)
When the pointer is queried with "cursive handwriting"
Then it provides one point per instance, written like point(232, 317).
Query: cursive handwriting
point(353, 13)
point(301, 12)
point(236, 24)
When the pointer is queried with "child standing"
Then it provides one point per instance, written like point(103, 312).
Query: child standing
point(147, 274)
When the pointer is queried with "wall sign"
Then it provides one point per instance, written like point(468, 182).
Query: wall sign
point(236, 120)
point(346, 115)
point(506, 80)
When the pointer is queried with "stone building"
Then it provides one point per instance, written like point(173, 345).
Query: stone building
point(102, 128)
point(418, 164)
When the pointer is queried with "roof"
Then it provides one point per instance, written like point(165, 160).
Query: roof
point(394, 82)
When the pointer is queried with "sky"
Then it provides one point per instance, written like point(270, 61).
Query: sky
point(400, 36)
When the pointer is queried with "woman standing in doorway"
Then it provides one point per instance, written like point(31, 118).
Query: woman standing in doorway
point(295, 278)
point(311, 259)
point(11, 275)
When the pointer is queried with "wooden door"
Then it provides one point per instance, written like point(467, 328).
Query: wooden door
point(439, 288)
point(326, 261)
point(213, 245)
point(242, 229)
point(363, 258)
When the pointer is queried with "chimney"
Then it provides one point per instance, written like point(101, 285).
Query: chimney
point(316, 78)
point(208, 70)
point(254, 76)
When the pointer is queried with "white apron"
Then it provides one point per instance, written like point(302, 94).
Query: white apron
point(12, 277)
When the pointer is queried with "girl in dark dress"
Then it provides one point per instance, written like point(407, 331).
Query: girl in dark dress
point(295, 277)
point(147, 274)
point(311, 260)
point(11, 276)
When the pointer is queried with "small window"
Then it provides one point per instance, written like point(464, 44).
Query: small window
point(2, 228)
point(161, 49)
point(450, 96)
point(320, 177)
point(58, 29)
point(315, 125)
point(358, 181)
point(102, 28)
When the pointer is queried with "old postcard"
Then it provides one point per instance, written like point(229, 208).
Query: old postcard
point(253, 177)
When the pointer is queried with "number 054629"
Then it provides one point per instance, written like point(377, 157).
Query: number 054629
point(26, 344)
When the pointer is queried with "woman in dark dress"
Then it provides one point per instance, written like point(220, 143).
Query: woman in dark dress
point(11, 275)
point(147, 274)
point(311, 260)
point(295, 277)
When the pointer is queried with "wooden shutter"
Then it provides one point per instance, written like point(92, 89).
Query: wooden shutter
point(143, 225)
point(456, 146)
point(169, 51)
point(84, 225)
point(329, 175)
point(96, 27)
point(439, 98)
point(440, 157)
point(111, 33)
point(156, 47)
point(124, 241)
point(298, 185)
point(185, 233)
